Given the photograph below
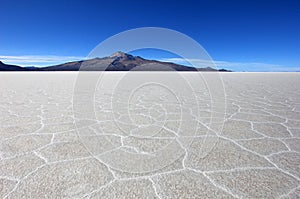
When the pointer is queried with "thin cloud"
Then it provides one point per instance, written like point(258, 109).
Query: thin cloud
point(235, 66)
point(37, 60)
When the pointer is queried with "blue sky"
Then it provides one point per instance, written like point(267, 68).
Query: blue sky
point(239, 35)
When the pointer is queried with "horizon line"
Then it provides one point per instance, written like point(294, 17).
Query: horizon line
point(40, 61)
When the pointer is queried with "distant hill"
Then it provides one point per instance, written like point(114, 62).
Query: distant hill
point(118, 61)
point(7, 67)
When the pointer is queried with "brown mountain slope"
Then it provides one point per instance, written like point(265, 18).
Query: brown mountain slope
point(118, 61)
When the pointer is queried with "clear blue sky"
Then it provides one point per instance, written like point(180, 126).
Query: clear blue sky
point(250, 35)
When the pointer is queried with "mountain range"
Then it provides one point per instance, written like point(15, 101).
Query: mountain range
point(118, 61)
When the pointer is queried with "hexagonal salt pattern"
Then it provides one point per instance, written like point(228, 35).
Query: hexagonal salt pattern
point(157, 143)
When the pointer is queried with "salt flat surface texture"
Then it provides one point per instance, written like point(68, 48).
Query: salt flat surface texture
point(149, 135)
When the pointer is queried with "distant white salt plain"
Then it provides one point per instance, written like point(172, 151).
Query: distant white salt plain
point(149, 135)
